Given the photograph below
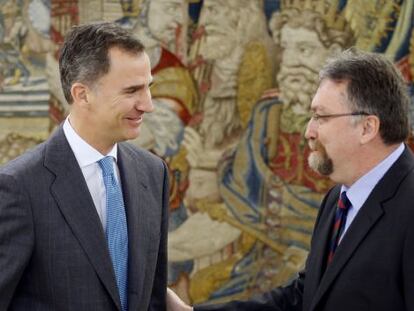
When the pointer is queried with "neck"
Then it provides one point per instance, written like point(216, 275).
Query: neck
point(369, 158)
point(92, 137)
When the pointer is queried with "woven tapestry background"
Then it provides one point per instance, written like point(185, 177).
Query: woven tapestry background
point(233, 83)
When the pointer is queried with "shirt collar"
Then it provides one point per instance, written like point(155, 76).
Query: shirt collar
point(362, 188)
point(85, 154)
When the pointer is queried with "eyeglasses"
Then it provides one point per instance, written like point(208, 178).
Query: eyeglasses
point(319, 117)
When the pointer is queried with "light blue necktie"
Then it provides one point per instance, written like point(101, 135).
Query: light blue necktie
point(116, 229)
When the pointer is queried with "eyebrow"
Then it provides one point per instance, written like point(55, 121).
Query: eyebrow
point(134, 88)
point(318, 109)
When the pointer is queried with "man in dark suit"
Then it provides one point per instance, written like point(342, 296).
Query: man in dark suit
point(83, 217)
point(362, 253)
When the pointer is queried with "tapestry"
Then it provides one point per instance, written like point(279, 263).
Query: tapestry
point(233, 82)
point(24, 91)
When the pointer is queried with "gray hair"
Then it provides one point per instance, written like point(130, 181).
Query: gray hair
point(84, 54)
point(374, 86)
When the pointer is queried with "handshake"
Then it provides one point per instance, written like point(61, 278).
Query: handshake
point(174, 303)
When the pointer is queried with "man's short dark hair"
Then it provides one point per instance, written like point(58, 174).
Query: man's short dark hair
point(84, 54)
point(374, 86)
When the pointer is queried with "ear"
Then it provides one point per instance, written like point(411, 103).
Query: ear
point(80, 92)
point(370, 128)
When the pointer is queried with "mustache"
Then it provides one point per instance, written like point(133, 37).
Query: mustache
point(320, 162)
point(315, 145)
point(298, 69)
point(307, 73)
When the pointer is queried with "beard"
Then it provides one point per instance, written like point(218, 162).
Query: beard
point(297, 86)
point(319, 159)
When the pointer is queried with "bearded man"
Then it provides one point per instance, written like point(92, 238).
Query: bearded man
point(361, 251)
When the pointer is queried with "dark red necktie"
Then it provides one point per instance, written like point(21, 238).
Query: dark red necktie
point(339, 225)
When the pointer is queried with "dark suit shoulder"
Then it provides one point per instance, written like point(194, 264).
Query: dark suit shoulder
point(398, 181)
point(403, 195)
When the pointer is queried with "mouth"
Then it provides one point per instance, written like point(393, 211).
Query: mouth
point(134, 121)
point(293, 78)
point(312, 145)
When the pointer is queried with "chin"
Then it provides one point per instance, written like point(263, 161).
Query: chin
point(318, 163)
point(313, 161)
point(131, 134)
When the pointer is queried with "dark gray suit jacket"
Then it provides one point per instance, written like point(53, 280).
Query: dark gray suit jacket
point(373, 267)
point(53, 251)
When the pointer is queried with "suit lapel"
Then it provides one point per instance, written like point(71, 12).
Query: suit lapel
point(369, 214)
point(140, 227)
point(75, 202)
point(320, 241)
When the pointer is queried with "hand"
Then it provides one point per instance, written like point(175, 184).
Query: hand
point(174, 303)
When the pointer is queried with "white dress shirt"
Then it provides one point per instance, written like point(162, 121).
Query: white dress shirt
point(88, 158)
point(359, 192)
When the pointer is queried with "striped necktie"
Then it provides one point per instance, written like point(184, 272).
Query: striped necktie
point(339, 225)
point(116, 229)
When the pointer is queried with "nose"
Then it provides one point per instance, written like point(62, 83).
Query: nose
point(311, 130)
point(144, 102)
point(290, 57)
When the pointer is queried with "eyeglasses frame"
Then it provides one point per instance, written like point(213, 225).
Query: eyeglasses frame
point(317, 117)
